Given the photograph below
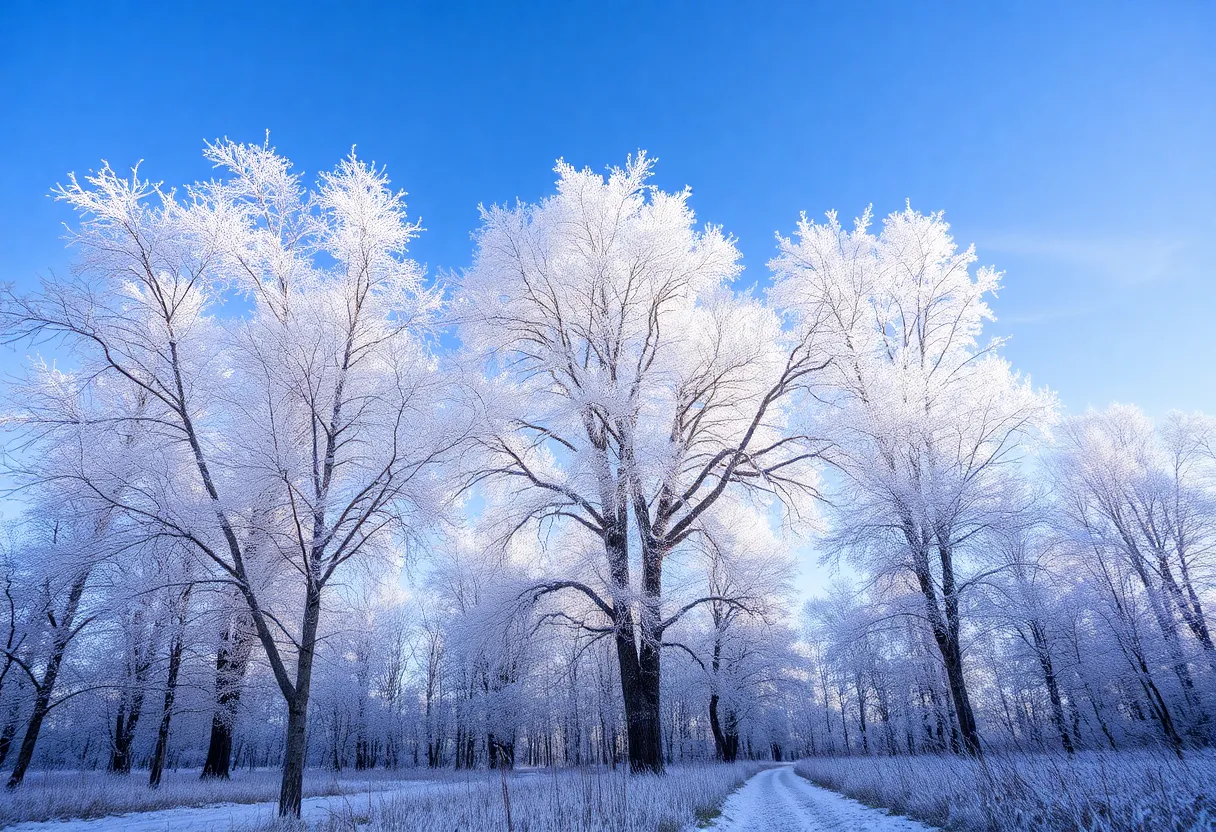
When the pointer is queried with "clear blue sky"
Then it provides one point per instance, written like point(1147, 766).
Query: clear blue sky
point(1074, 143)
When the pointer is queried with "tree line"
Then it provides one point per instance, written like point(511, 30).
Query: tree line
point(595, 454)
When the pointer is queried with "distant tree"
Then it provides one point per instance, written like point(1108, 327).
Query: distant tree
point(60, 557)
point(1135, 504)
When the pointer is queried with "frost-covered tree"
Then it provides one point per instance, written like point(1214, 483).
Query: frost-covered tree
point(629, 390)
point(278, 441)
point(923, 416)
point(1136, 506)
point(59, 552)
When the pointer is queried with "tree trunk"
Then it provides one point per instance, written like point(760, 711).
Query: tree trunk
point(1053, 687)
point(10, 727)
point(231, 662)
point(639, 688)
point(295, 748)
point(291, 790)
point(1163, 612)
point(716, 727)
point(131, 706)
point(124, 729)
point(166, 714)
point(861, 713)
point(639, 664)
point(729, 730)
point(42, 704)
point(946, 626)
point(1188, 604)
point(726, 737)
point(1157, 702)
point(952, 655)
point(45, 688)
point(501, 751)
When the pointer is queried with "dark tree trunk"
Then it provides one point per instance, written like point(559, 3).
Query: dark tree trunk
point(963, 712)
point(945, 622)
point(1160, 710)
point(166, 714)
point(639, 663)
point(716, 727)
point(1053, 686)
point(219, 749)
point(231, 662)
point(10, 728)
point(46, 687)
point(861, 712)
point(639, 687)
point(725, 731)
point(1163, 612)
point(1093, 704)
point(125, 724)
point(501, 751)
point(1192, 609)
point(42, 704)
point(131, 706)
point(291, 791)
point(162, 731)
point(459, 762)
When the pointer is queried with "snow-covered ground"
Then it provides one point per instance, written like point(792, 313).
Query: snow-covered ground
point(226, 816)
point(774, 800)
point(778, 800)
point(569, 800)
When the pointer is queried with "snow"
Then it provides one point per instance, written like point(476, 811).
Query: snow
point(778, 800)
point(544, 801)
point(225, 816)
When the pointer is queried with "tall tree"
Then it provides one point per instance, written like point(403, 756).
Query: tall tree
point(315, 419)
point(632, 389)
point(923, 417)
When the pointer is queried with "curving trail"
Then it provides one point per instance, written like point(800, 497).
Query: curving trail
point(778, 800)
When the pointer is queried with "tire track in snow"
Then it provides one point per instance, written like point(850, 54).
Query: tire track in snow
point(778, 800)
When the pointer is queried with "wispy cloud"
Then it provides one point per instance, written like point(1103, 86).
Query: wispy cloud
point(1120, 259)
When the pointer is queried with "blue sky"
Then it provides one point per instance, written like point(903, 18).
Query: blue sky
point(1074, 144)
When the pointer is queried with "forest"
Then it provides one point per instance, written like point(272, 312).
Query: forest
point(283, 506)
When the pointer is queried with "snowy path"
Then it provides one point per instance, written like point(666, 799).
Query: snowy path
point(224, 816)
point(778, 800)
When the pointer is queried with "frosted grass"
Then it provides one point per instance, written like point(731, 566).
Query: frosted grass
point(571, 800)
point(63, 795)
point(1128, 791)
